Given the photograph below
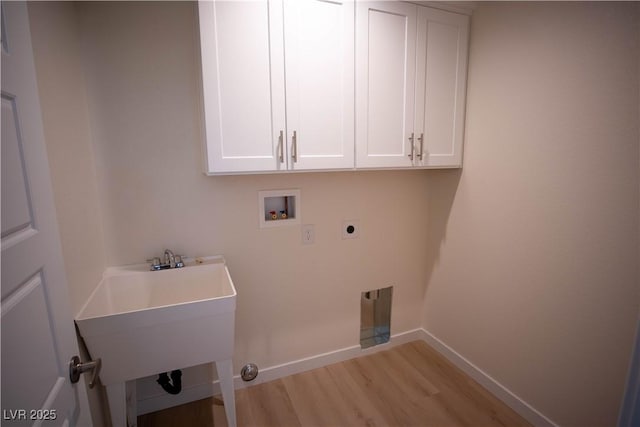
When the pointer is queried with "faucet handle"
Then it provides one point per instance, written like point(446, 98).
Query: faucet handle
point(179, 261)
point(155, 263)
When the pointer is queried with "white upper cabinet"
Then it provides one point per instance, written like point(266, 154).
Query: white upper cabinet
point(320, 85)
point(441, 86)
point(385, 67)
point(411, 69)
point(319, 51)
point(243, 85)
point(250, 125)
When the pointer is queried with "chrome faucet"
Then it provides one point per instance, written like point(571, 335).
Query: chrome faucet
point(169, 258)
point(170, 261)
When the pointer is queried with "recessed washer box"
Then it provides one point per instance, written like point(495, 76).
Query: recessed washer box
point(279, 207)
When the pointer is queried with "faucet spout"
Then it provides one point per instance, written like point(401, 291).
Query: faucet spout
point(169, 258)
point(170, 261)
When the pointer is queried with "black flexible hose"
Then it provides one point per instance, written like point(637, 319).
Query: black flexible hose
point(176, 378)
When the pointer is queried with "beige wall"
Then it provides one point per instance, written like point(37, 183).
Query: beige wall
point(294, 301)
point(55, 34)
point(534, 245)
point(55, 37)
point(528, 256)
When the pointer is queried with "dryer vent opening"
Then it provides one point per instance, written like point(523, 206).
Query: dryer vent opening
point(375, 317)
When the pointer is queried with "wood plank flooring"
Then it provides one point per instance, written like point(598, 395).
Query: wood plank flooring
point(408, 385)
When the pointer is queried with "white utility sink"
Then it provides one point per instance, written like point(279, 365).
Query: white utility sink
point(142, 323)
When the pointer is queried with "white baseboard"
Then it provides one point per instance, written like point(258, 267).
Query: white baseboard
point(204, 390)
point(525, 410)
point(324, 359)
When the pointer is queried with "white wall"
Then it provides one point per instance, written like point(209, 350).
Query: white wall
point(294, 301)
point(525, 262)
point(534, 245)
point(55, 33)
point(65, 117)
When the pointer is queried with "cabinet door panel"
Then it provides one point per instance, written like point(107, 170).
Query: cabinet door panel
point(385, 72)
point(319, 38)
point(441, 85)
point(242, 84)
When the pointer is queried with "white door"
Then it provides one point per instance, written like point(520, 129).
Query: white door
point(629, 415)
point(441, 78)
point(241, 45)
point(38, 336)
point(319, 52)
point(385, 73)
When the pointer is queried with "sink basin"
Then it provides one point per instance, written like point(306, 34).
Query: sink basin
point(142, 322)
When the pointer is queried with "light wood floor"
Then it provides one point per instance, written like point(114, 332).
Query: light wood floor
point(408, 385)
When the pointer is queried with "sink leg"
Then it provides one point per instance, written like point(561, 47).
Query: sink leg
point(132, 404)
point(123, 404)
point(225, 375)
point(117, 404)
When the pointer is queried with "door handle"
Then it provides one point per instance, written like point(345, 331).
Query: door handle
point(421, 139)
point(76, 368)
point(412, 146)
point(294, 147)
point(281, 147)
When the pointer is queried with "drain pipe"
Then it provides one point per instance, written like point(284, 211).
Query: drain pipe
point(176, 378)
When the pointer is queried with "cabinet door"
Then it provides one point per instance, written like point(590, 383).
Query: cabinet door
point(243, 84)
point(441, 78)
point(385, 72)
point(319, 47)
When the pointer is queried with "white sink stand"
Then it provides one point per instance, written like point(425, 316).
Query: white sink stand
point(142, 323)
point(122, 398)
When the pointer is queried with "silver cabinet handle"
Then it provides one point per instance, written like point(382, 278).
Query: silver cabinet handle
point(412, 146)
point(421, 139)
point(294, 147)
point(281, 147)
point(76, 368)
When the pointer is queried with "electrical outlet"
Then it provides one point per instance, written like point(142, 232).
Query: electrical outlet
point(351, 229)
point(308, 234)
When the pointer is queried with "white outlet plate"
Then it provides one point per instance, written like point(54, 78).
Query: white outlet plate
point(351, 229)
point(308, 234)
